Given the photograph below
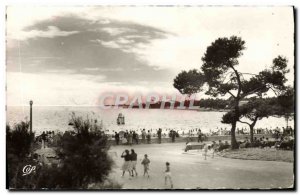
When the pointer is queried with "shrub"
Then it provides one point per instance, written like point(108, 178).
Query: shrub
point(83, 155)
point(18, 148)
point(83, 159)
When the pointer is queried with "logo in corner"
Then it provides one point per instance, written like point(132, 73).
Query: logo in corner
point(27, 169)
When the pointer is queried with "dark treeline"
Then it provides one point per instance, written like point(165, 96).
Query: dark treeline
point(209, 103)
point(204, 103)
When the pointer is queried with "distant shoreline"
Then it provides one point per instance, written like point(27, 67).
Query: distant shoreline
point(125, 108)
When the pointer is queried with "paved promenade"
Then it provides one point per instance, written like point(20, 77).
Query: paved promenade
point(191, 171)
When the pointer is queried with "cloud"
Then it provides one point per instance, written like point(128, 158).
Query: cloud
point(104, 69)
point(137, 37)
point(125, 41)
point(137, 46)
point(117, 31)
point(110, 44)
point(51, 32)
point(176, 52)
point(91, 69)
point(120, 43)
point(89, 51)
point(105, 21)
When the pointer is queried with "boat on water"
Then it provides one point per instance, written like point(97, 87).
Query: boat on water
point(121, 119)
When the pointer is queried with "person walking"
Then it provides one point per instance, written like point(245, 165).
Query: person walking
point(146, 163)
point(168, 176)
point(127, 162)
point(149, 138)
point(133, 163)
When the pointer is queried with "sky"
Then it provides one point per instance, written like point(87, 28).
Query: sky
point(72, 55)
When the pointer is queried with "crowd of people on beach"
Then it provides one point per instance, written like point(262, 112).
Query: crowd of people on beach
point(147, 136)
point(219, 131)
point(279, 142)
point(132, 137)
point(143, 136)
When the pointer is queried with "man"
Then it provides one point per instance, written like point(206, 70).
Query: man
point(173, 135)
point(117, 138)
point(199, 135)
point(159, 135)
point(148, 137)
point(143, 136)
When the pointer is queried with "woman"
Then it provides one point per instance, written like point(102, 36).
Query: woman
point(127, 162)
point(133, 162)
point(130, 138)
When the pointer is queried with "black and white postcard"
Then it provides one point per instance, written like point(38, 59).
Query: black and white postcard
point(150, 97)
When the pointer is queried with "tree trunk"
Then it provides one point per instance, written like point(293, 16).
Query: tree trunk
point(251, 133)
point(252, 129)
point(234, 144)
point(287, 120)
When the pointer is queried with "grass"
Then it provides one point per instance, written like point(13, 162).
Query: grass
point(269, 154)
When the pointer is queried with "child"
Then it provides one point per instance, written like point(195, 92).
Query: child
point(146, 163)
point(168, 174)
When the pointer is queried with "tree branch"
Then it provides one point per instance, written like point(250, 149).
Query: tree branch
point(231, 94)
point(231, 72)
point(249, 73)
point(274, 91)
point(238, 80)
point(250, 92)
point(255, 120)
point(244, 122)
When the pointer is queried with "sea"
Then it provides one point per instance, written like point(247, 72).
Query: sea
point(56, 118)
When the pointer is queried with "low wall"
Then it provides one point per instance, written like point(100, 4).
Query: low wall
point(154, 140)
